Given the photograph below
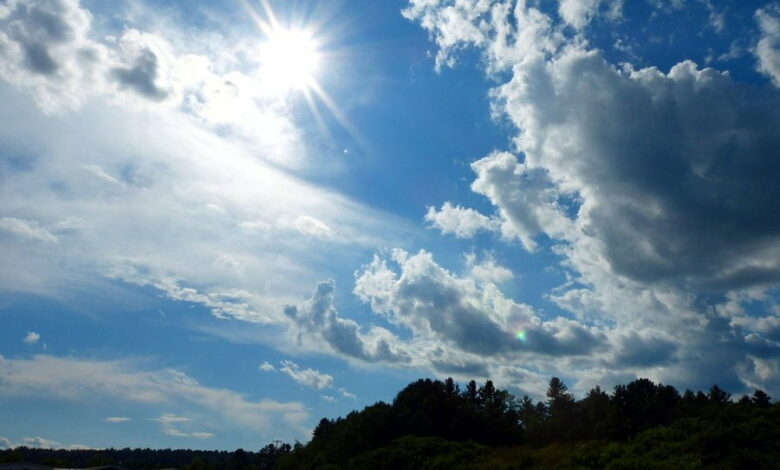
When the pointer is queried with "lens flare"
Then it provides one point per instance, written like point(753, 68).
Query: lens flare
point(520, 335)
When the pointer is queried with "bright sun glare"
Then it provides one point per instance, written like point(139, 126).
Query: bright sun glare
point(290, 58)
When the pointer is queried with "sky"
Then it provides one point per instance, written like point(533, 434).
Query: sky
point(223, 221)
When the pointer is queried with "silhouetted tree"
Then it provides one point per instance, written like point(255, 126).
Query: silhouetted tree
point(471, 394)
point(560, 408)
point(595, 412)
point(718, 396)
point(761, 399)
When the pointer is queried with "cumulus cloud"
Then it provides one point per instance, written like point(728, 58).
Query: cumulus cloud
point(649, 218)
point(31, 337)
point(306, 377)
point(50, 49)
point(579, 13)
point(317, 320)
point(45, 47)
point(266, 367)
point(527, 202)
point(487, 269)
point(82, 204)
point(656, 214)
point(475, 317)
point(634, 350)
point(459, 221)
point(143, 74)
point(453, 24)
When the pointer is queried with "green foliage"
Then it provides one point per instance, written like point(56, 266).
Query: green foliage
point(150, 459)
point(434, 425)
point(420, 453)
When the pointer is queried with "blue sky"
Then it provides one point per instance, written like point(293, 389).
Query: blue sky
point(220, 222)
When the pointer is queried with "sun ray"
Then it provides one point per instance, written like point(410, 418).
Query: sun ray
point(340, 117)
point(290, 57)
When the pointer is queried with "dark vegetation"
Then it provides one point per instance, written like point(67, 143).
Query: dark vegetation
point(148, 459)
point(435, 425)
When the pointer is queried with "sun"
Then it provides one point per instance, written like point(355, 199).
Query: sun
point(290, 59)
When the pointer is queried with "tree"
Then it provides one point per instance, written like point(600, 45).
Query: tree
point(557, 392)
point(560, 408)
point(487, 394)
point(451, 387)
point(761, 399)
point(471, 394)
point(595, 413)
point(718, 396)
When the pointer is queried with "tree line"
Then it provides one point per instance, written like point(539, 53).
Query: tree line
point(437, 424)
point(486, 416)
point(150, 459)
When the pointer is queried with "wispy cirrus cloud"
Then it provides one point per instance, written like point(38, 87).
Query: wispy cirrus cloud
point(171, 426)
point(117, 419)
point(73, 379)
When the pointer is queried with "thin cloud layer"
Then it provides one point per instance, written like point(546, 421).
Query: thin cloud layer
point(131, 182)
point(72, 379)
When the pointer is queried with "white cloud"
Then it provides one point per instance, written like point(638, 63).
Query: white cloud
point(768, 47)
point(117, 419)
point(41, 443)
point(475, 317)
point(171, 181)
point(316, 325)
point(328, 398)
point(306, 377)
point(5, 443)
point(31, 337)
point(487, 269)
point(346, 394)
point(170, 422)
point(459, 221)
point(648, 210)
point(266, 367)
point(182, 199)
point(579, 13)
point(527, 202)
point(456, 24)
point(73, 379)
point(26, 230)
point(45, 48)
point(312, 227)
point(169, 418)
